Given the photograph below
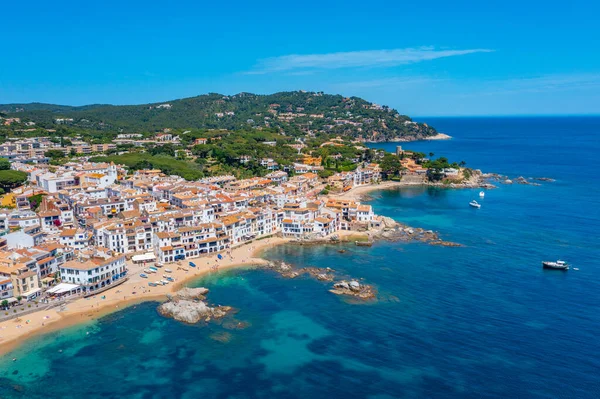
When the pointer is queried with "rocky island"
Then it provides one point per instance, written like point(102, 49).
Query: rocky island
point(187, 305)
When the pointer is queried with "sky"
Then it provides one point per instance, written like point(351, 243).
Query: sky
point(424, 58)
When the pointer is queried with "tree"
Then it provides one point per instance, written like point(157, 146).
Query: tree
point(390, 165)
point(54, 154)
point(10, 179)
point(4, 164)
point(5, 304)
point(323, 174)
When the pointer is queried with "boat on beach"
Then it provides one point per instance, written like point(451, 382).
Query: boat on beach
point(168, 270)
point(151, 284)
point(142, 275)
point(558, 265)
point(475, 204)
point(152, 269)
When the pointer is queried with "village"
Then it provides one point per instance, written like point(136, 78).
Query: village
point(93, 221)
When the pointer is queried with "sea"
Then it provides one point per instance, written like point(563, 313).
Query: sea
point(479, 321)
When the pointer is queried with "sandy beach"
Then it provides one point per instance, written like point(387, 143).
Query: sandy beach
point(135, 290)
point(359, 193)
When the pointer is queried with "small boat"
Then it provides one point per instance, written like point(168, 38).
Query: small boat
point(159, 282)
point(475, 204)
point(149, 271)
point(169, 278)
point(142, 275)
point(363, 243)
point(481, 194)
point(153, 269)
point(164, 282)
point(169, 270)
point(558, 265)
point(151, 284)
point(159, 265)
point(192, 264)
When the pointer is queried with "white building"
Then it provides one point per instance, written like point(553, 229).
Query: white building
point(94, 273)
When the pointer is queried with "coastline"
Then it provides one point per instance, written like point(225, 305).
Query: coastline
point(410, 139)
point(16, 332)
point(359, 193)
point(439, 136)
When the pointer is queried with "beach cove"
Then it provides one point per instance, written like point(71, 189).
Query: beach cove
point(135, 290)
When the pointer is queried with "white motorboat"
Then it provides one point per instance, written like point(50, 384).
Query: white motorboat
point(475, 204)
point(481, 194)
point(558, 265)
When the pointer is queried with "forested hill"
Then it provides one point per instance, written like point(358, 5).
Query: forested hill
point(296, 113)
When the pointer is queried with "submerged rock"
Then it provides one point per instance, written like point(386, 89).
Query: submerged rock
point(445, 243)
point(223, 337)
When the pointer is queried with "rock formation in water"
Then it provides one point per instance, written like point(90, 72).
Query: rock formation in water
point(186, 306)
point(353, 288)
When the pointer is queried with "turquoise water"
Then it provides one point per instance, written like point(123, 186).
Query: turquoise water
point(483, 320)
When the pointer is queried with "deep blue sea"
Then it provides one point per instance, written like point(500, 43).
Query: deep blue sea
point(481, 321)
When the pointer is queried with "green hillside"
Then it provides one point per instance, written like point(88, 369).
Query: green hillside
point(295, 113)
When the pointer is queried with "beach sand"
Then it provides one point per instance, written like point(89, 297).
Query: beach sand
point(359, 193)
point(14, 332)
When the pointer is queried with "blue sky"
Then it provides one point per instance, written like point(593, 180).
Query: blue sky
point(423, 58)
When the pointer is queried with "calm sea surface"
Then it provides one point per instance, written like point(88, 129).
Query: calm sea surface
point(479, 321)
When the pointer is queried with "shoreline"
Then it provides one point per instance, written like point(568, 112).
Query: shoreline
point(412, 139)
point(16, 332)
point(359, 193)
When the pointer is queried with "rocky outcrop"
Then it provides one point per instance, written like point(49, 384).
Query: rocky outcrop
point(192, 293)
point(353, 288)
point(518, 180)
point(343, 287)
point(318, 273)
point(283, 269)
point(186, 307)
